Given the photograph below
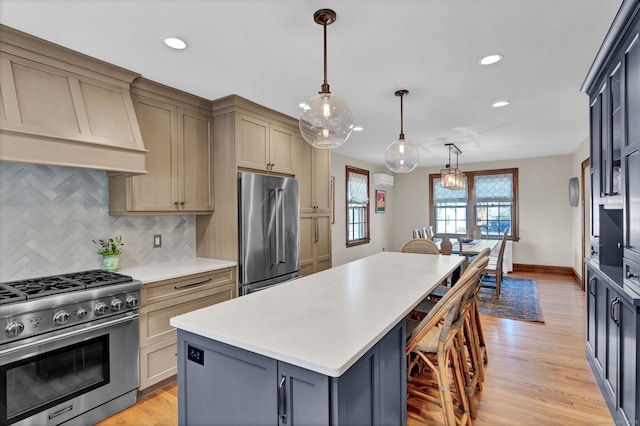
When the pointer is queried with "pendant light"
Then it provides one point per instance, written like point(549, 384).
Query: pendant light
point(401, 156)
point(452, 177)
point(326, 120)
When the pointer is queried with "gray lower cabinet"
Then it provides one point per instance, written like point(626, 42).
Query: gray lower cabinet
point(220, 384)
point(613, 324)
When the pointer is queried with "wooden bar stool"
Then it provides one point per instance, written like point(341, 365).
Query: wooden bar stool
point(435, 366)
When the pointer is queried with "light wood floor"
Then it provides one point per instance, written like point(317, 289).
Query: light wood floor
point(537, 373)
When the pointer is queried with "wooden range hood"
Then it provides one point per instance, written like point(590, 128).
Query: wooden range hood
point(63, 108)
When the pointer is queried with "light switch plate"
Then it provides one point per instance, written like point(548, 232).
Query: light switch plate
point(157, 240)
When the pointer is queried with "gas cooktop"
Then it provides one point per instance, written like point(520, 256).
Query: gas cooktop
point(33, 288)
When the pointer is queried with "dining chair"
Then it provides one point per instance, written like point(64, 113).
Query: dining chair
point(428, 232)
point(420, 245)
point(417, 233)
point(491, 276)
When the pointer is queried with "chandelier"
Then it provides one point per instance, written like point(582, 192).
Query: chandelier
point(452, 177)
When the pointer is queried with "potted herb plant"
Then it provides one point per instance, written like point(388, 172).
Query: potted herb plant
point(110, 250)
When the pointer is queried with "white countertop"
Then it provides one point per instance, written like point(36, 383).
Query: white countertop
point(326, 321)
point(174, 269)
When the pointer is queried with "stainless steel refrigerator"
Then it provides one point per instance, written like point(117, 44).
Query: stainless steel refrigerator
point(269, 226)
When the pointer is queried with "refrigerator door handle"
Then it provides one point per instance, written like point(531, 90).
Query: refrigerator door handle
point(281, 232)
point(273, 215)
point(280, 226)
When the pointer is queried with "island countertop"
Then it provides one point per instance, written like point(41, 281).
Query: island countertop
point(326, 321)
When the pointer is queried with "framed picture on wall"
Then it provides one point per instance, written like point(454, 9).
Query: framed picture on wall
point(381, 201)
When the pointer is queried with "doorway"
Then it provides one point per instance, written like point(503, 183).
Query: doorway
point(585, 206)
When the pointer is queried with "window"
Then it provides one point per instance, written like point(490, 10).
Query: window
point(489, 202)
point(357, 206)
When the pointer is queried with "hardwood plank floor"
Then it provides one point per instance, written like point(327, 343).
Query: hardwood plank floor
point(537, 373)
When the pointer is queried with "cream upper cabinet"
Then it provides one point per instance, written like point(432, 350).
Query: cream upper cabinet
point(312, 168)
point(264, 146)
point(180, 158)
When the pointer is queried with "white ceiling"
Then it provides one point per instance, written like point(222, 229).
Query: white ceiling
point(270, 51)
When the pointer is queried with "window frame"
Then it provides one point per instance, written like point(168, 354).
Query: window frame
point(471, 213)
point(367, 218)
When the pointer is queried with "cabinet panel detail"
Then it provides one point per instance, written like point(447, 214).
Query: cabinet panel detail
point(632, 205)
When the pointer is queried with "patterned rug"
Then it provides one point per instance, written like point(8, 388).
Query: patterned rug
point(518, 300)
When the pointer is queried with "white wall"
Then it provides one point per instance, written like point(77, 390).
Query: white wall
point(380, 224)
point(546, 221)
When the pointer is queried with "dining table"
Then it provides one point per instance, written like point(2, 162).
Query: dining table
point(468, 250)
point(473, 247)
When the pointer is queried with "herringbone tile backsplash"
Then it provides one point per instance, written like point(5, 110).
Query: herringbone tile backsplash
point(49, 216)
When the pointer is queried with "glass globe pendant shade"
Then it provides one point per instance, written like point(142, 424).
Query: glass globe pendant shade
point(401, 156)
point(326, 121)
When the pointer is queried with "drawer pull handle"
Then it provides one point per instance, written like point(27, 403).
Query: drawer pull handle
point(631, 275)
point(282, 400)
point(180, 287)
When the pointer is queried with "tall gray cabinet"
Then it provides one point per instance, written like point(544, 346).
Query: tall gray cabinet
point(613, 266)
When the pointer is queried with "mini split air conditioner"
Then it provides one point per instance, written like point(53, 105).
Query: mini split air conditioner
point(382, 179)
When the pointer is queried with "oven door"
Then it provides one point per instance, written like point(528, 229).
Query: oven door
point(51, 378)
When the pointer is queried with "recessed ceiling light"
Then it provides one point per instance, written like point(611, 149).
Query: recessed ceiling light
point(304, 106)
point(500, 104)
point(358, 128)
point(491, 59)
point(175, 43)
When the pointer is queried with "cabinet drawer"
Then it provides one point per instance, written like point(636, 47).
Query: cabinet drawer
point(168, 289)
point(157, 362)
point(154, 318)
point(631, 272)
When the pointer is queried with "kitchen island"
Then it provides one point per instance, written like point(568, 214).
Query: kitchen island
point(324, 349)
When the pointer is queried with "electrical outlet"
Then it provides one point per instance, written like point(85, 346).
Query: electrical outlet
point(157, 240)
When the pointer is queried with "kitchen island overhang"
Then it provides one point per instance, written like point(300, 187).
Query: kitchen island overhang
point(329, 325)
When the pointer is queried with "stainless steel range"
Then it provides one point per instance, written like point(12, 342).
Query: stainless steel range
point(68, 348)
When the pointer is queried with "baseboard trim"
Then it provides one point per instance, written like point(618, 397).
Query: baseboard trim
point(544, 269)
point(576, 277)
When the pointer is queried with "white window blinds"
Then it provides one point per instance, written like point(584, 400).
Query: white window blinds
point(358, 190)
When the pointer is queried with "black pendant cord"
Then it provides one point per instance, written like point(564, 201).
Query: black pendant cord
point(325, 17)
point(401, 93)
point(325, 84)
point(401, 118)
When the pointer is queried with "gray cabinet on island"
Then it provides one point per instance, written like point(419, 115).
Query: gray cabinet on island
point(324, 349)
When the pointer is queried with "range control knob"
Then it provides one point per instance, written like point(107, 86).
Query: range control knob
point(116, 304)
point(132, 301)
point(101, 308)
point(61, 317)
point(82, 312)
point(14, 328)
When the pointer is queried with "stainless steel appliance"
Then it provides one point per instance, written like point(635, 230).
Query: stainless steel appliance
point(68, 348)
point(269, 225)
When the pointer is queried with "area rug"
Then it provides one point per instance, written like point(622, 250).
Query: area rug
point(518, 300)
